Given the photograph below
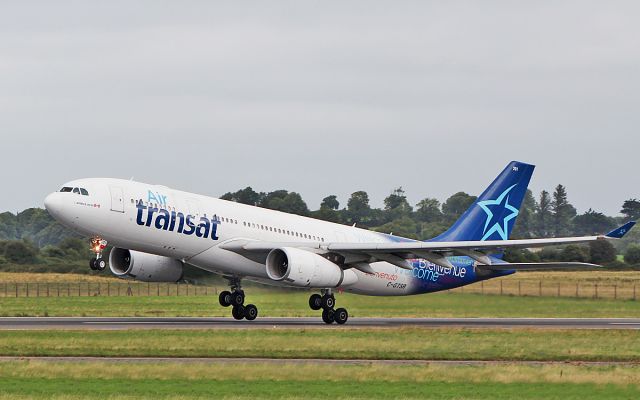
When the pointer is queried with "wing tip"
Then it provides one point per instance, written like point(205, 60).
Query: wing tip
point(620, 231)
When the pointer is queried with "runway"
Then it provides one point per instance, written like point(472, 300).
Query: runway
point(119, 323)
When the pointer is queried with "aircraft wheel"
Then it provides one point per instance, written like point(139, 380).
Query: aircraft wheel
point(250, 312)
point(340, 316)
point(92, 264)
point(101, 264)
point(328, 316)
point(238, 312)
point(315, 301)
point(237, 298)
point(328, 301)
point(225, 298)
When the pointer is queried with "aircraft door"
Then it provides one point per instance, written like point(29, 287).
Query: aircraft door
point(117, 199)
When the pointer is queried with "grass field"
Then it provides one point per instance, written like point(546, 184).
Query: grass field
point(99, 380)
point(342, 343)
point(295, 303)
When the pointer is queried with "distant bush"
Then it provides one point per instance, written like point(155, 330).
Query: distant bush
point(602, 251)
point(52, 251)
point(575, 253)
point(632, 256)
point(20, 252)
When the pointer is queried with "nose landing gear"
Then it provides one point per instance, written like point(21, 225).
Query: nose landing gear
point(326, 302)
point(235, 298)
point(97, 245)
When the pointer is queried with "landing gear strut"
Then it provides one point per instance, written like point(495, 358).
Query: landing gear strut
point(326, 301)
point(97, 245)
point(235, 298)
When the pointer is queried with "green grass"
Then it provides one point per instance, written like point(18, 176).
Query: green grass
point(295, 303)
point(341, 343)
point(96, 380)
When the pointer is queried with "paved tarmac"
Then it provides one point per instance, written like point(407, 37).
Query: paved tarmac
point(106, 323)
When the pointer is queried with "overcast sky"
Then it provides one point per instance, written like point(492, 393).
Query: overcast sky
point(321, 97)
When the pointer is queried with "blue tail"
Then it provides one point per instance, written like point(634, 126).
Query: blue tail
point(493, 215)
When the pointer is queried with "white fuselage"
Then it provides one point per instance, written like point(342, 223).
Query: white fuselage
point(153, 219)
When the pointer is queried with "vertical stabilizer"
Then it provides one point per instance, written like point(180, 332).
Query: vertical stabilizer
point(493, 214)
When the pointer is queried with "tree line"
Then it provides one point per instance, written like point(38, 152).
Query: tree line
point(34, 237)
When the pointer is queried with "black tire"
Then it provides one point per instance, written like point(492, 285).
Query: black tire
point(315, 301)
point(92, 264)
point(238, 312)
point(328, 302)
point(328, 316)
point(341, 316)
point(225, 298)
point(101, 264)
point(237, 298)
point(250, 312)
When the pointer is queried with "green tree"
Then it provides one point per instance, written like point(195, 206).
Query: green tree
point(601, 252)
point(8, 226)
point(455, 205)
point(20, 252)
point(592, 222)
point(428, 230)
point(632, 255)
point(403, 226)
point(52, 251)
point(428, 210)
point(330, 202)
point(525, 224)
point(563, 212)
point(328, 210)
point(575, 253)
point(631, 209)
point(75, 248)
point(358, 208)
point(543, 215)
point(282, 200)
point(396, 205)
point(245, 196)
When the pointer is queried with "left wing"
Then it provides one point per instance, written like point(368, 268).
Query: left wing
point(435, 252)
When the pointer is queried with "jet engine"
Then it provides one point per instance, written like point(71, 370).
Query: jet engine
point(144, 267)
point(306, 269)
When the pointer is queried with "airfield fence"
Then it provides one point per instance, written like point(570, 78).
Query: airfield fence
point(511, 287)
point(88, 289)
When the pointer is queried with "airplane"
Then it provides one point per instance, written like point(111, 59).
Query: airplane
point(155, 230)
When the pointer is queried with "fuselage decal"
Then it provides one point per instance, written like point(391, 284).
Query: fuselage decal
point(162, 219)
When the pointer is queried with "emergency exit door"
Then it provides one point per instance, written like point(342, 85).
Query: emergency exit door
point(117, 199)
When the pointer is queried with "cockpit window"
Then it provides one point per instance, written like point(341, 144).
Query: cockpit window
point(76, 190)
point(84, 192)
point(66, 189)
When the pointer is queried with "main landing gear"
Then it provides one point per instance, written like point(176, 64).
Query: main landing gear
point(235, 298)
point(326, 301)
point(97, 245)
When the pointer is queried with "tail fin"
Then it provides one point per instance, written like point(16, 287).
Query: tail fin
point(493, 214)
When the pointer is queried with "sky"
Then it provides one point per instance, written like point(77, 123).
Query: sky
point(321, 97)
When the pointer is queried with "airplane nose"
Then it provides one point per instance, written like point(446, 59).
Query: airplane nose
point(52, 203)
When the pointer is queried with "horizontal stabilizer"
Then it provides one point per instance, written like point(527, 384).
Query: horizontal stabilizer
point(534, 266)
point(621, 231)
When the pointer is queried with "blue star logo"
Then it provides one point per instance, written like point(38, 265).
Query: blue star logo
point(493, 223)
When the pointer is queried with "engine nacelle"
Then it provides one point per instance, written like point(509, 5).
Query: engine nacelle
point(144, 267)
point(306, 269)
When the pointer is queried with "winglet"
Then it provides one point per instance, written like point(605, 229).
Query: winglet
point(621, 231)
